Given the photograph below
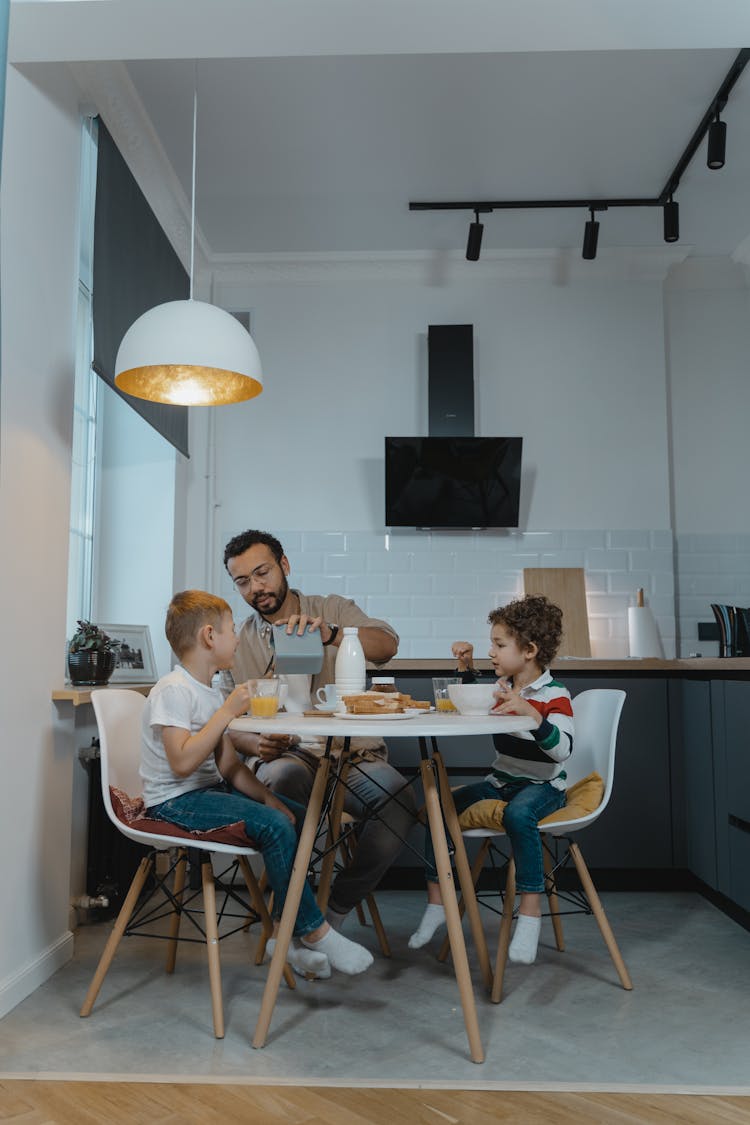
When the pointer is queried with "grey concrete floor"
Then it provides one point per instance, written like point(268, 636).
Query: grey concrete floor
point(564, 1020)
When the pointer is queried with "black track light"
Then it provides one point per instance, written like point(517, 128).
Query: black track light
point(671, 221)
point(717, 144)
point(590, 238)
point(474, 241)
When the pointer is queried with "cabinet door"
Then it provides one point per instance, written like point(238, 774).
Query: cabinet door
point(697, 760)
point(733, 794)
point(635, 830)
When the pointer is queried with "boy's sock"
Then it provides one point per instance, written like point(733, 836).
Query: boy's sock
point(522, 949)
point(432, 919)
point(336, 919)
point(305, 962)
point(344, 955)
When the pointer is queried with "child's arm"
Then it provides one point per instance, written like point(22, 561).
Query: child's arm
point(554, 727)
point(186, 752)
point(233, 770)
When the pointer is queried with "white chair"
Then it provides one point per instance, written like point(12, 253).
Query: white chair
point(597, 716)
point(119, 714)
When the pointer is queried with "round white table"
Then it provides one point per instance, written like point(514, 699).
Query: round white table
point(427, 728)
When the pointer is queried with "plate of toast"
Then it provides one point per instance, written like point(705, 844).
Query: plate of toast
point(382, 705)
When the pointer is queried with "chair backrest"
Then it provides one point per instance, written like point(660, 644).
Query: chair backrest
point(119, 715)
point(596, 714)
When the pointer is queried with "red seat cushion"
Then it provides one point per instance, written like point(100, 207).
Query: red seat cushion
point(132, 812)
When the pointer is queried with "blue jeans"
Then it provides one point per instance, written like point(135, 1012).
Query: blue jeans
point(275, 835)
point(370, 785)
point(528, 803)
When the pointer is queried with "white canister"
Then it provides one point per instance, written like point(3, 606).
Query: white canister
point(350, 663)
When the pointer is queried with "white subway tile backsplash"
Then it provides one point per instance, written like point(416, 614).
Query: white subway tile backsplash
point(438, 586)
point(584, 539)
point(629, 539)
point(709, 568)
point(360, 586)
point(350, 562)
point(606, 560)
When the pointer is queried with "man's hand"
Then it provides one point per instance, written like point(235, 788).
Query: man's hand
point(273, 746)
point(510, 702)
point(298, 622)
point(463, 654)
point(273, 802)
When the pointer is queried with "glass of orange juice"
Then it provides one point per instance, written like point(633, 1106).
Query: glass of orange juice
point(440, 690)
point(264, 697)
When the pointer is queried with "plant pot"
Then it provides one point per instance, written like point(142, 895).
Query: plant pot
point(87, 667)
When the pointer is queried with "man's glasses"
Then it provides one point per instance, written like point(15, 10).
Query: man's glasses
point(259, 576)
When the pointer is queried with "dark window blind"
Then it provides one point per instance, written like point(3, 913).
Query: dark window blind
point(135, 268)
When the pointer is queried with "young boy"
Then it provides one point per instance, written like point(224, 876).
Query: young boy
point(528, 769)
point(193, 776)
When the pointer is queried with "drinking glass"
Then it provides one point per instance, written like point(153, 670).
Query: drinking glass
point(264, 697)
point(440, 690)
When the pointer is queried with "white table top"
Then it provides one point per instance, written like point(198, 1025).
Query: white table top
point(428, 724)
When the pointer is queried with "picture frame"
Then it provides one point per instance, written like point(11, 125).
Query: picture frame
point(135, 656)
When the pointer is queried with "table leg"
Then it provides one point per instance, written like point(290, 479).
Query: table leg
point(448, 891)
point(465, 877)
point(333, 831)
point(291, 906)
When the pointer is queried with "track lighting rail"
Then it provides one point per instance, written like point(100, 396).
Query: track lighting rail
point(709, 122)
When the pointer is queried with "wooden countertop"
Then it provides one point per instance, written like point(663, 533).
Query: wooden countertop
point(593, 665)
point(736, 666)
point(81, 695)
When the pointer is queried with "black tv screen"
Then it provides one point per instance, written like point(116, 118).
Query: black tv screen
point(452, 482)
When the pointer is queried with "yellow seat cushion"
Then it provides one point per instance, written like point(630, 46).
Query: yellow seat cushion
point(581, 799)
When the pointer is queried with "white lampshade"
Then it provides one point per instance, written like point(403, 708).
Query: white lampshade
point(188, 353)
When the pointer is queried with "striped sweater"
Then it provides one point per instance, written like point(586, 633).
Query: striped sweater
point(538, 755)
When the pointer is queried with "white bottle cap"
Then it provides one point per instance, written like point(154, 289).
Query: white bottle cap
point(349, 629)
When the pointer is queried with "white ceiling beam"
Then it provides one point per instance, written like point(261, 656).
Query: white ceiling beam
point(79, 30)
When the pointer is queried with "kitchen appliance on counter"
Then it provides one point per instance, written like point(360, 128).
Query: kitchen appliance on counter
point(734, 629)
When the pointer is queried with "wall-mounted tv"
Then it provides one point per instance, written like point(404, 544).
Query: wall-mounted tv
point(452, 482)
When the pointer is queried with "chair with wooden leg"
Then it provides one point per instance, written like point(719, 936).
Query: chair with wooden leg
point(590, 775)
point(155, 896)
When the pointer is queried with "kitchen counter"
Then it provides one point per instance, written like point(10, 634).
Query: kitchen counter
point(636, 665)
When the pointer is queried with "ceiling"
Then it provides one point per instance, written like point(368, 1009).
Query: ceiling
point(321, 150)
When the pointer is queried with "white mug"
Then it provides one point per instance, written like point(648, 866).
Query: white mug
point(327, 695)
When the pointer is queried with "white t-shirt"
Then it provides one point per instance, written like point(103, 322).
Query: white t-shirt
point(177, 700)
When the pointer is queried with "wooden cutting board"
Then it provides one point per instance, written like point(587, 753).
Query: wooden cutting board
point(566, 587)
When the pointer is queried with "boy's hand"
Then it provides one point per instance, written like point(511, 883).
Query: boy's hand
point(273, 802)
point(463, 653)
point(238, 701)
point(510, 702)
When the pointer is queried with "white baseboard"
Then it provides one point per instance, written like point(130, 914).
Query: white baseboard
point(19, 985)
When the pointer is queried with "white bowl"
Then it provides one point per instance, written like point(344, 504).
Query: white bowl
point(472, 699)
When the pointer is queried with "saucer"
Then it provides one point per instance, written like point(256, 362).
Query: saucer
point(324, 708)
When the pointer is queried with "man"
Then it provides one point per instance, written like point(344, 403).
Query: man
point(259, 570)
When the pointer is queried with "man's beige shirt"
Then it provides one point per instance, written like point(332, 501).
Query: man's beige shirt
point(255, 652)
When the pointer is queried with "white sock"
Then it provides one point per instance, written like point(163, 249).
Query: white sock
point(522, 949)
point(335, 919)
point(305, 962)
point(432, 919)
point(344, 955)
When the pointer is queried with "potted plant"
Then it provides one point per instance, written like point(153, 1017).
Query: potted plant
point(92, 655)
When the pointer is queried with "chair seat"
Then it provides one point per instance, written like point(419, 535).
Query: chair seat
point(131, 814)
point(582, 801)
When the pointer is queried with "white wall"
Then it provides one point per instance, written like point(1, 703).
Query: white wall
point(134, 523)
point(577, 369)
point(708, 319)
point(39, 245)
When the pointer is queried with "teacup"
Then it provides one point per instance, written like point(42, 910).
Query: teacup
point(328, 695)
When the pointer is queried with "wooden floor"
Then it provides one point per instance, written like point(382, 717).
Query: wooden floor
point(58, 1103)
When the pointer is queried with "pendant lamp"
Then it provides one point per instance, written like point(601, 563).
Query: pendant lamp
point(189, 353)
